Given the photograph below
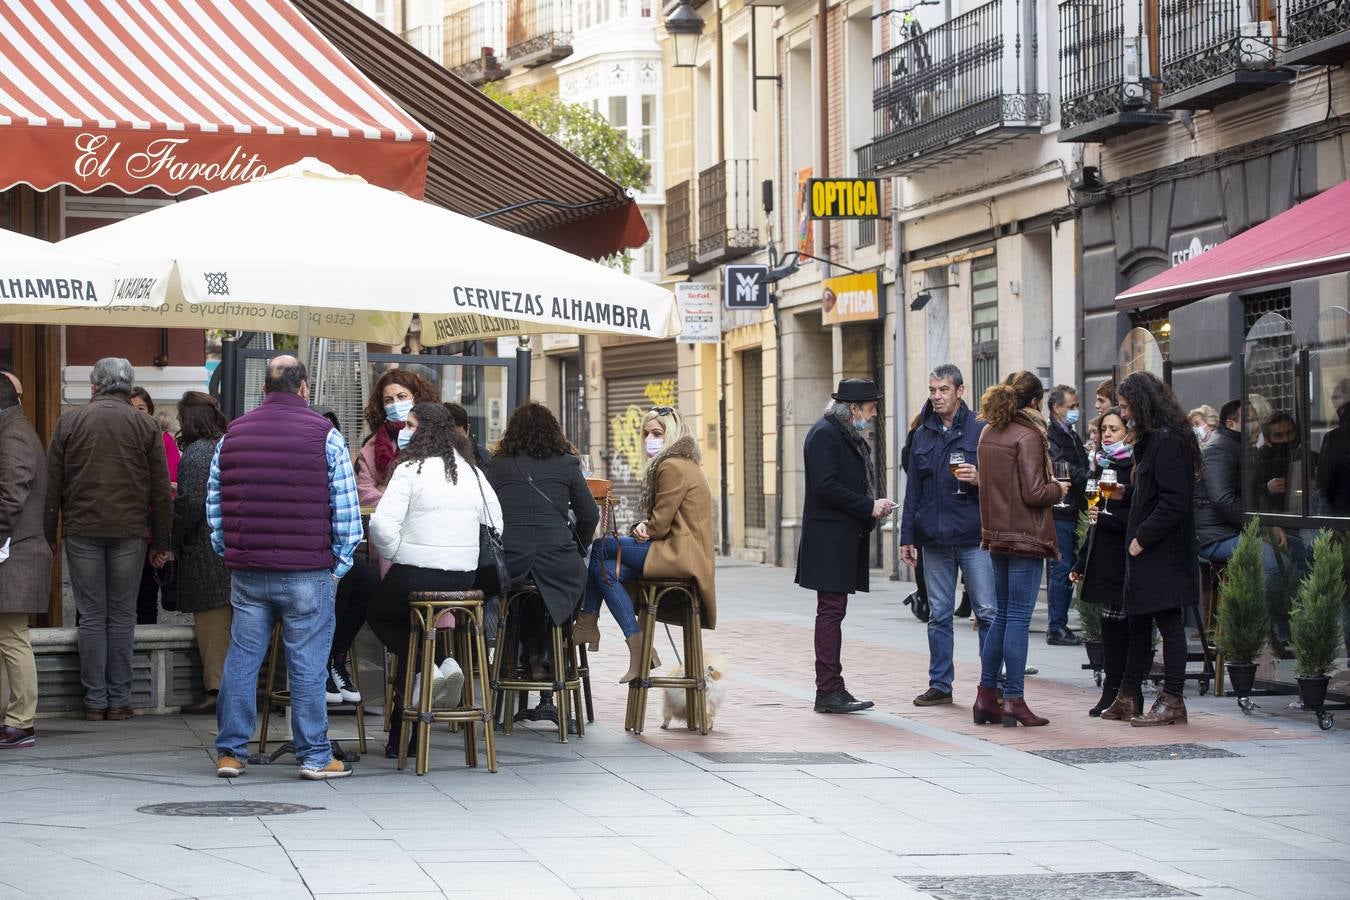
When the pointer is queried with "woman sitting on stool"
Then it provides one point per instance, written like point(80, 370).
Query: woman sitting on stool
point(673, 540)
point(426, 525)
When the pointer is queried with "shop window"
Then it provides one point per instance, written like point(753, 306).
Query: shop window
point(1270, 376)
point(983, 325)
point(1159, 324)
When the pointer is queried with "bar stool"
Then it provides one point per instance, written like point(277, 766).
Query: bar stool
point(282, 696)
point(425, 611)
point(682, 594)
point(510, 679)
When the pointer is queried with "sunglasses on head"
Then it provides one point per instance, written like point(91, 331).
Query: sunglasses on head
point(663, 410)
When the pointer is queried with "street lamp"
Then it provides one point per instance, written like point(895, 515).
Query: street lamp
point(685, 27)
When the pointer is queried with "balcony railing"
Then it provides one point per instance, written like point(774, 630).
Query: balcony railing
point(726, 225)
point(1214, 51)
point(679, 227)
point(430, 39)
point(1106, 83)
point(950, 92)
point(473, 39)
point(1318, 32)
point(538, 31)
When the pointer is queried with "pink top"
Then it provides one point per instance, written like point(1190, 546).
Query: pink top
point(172, 454)
point(370, 494)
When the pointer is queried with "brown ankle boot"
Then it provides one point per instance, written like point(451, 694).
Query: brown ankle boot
point(1122, 710)
point(634, 658)
point(986, 709)
point(586, 630)
point(1016, 712)
point(1168, 709)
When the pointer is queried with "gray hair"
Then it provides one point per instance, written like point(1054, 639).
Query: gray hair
point(949, 372)
point(839, 410)
point(112, 375)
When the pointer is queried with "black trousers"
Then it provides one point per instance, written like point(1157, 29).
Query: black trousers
point(388, 615)
point(1115, 649)
point(1172, 629)
point(355, 592)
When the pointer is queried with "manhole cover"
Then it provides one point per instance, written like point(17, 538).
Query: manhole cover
point(1050, 886)
point(234, 809)
point(1134, 754)
point(780, 759)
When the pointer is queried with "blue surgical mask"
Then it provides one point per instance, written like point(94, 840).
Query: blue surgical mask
point(860, 424)
point(405, 436)
point(398, 411)
point(1071, 417)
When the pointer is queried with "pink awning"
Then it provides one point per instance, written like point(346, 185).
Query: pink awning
point(1306, 241)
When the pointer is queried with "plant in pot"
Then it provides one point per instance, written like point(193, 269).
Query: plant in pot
point(1090, 617)
point(1244, 617)
point(1315, 622)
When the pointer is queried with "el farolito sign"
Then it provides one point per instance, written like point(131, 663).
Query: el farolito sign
point(844, 198)
point(851, 299)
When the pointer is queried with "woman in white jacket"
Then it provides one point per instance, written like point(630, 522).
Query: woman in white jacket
point(426, 524)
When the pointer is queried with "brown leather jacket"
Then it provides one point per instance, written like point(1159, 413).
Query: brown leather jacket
point(1016, 491)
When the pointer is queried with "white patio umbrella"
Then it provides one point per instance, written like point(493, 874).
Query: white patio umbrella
point(327, 254)
point(34, 272)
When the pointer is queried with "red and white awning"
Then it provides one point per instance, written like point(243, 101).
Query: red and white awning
point(191, 94)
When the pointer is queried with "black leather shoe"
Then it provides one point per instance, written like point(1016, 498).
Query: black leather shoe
point(1063, 638)
point(840, 702)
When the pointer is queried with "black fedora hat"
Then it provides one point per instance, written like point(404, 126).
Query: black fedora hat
point(857, 390)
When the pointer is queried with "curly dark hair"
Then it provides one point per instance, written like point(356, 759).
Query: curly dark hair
point(1153, 407)
point(435, 435)
point(534, 432)
point(422, 391)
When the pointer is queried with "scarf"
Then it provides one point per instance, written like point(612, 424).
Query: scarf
point(1036, 421)
point(1124, 456)
point(386, 449)
point(684, 448)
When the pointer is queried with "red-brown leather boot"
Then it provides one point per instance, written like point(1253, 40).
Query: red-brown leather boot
point(1015, 711)
point(986, 709)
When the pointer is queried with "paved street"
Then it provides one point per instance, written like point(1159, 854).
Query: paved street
point(898, 802)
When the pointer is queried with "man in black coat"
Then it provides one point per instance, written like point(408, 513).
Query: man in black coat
point(840, 510)
point(1065, 448)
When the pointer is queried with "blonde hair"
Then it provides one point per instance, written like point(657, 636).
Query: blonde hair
point(1000, 403)
point(672, 424)
point(1206, 412)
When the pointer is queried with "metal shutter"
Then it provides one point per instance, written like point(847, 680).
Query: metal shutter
point(637, 377)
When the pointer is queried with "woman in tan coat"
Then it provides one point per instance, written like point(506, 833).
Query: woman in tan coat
point(1018, 529)
point(673, 540)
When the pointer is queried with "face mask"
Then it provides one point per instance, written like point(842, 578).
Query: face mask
point(1199, 432)
point(405, 436)
point(654, 445)
point(398, 412)
point(1071, 417)
point(860, 424)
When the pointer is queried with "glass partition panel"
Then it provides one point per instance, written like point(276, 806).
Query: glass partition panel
point(1328, 431)
point(1273, 482)
point(1139, 352)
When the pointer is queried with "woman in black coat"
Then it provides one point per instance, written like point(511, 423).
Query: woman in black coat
point(1101, 567)
point(538, 480)
point(1161, 574)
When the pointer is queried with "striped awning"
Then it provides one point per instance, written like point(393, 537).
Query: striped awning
point(136, 94)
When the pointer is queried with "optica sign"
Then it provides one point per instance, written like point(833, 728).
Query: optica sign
point(844, 198)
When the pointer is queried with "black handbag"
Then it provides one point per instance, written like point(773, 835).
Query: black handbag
point(166, 576)
point(494, 576)
point(581, 547)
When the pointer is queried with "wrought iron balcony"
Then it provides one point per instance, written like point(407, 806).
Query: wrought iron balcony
point(1214, 51)
point(726, 225)
point(679, 228)
point(947, 94)
point(1107, 86)
point(1317, 33)
point(472, 37)
point(538, 32)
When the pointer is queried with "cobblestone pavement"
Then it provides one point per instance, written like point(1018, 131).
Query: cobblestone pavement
point(776, 802)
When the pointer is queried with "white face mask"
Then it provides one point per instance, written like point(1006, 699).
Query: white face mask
point(654, 445)
point(398, 410)
point(405, 437)
point(1200, 432)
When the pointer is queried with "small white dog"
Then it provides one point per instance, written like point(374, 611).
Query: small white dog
point(674, 707)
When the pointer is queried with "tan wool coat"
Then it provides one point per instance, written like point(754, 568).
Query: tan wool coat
point(680, 522)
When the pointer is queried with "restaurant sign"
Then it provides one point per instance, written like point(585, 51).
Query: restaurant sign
point(850, 299)
point(844, 198)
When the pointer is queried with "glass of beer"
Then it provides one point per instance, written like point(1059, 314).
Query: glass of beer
point(1108, 487)
point(956, 460)
point(1092, 493)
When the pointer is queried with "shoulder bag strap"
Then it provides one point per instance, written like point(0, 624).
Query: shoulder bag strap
point(529, 479)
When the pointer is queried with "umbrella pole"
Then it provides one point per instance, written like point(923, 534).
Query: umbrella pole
point(303, 342)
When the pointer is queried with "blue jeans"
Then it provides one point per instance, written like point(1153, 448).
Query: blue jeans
point(1059, 592)
point(601, 583)
point(304, 602)
point(939, 575)
point(1017, 582)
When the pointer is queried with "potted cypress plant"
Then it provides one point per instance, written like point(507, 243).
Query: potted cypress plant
point(1244, 617)
point(1315, 622)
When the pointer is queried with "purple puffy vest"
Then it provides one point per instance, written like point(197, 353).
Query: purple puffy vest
point(274, 494)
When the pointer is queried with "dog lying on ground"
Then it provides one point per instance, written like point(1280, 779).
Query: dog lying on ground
point(674, 708)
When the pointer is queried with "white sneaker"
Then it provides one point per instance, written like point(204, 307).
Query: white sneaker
point(447, 684)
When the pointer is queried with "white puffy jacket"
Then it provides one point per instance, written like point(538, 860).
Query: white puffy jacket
point(424, 520)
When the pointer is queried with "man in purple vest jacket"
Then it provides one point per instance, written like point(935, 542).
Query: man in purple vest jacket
point(283, 510)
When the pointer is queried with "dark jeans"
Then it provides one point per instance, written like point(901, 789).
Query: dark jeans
point(1058, 591)
point(1115, 649)
point(830, 611)
point(105, 575)
point(1171, 626)
point(388, 615)
point(355, 592)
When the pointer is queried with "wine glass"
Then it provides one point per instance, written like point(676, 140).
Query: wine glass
point(956, 460)
point(586, 468)
point(1107, 486)
point(1062, 476)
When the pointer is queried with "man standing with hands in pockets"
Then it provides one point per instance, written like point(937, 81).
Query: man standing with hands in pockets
point(840, 510)
point(941, 520)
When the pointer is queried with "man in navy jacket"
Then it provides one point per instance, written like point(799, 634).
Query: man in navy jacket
point(941, 520)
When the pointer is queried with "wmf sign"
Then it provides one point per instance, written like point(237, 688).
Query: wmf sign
point(745, 287)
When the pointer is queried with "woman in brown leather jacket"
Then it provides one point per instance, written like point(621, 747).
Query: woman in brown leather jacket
point(1018, 530)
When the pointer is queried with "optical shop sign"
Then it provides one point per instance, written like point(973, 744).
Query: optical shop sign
point(851, 299)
